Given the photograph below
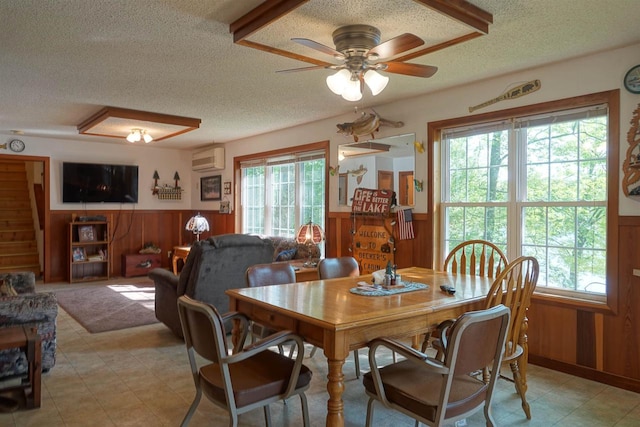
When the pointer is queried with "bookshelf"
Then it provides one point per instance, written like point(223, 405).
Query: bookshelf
point(89, 251)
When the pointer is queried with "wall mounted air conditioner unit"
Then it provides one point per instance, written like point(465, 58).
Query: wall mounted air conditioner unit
point(209, 159)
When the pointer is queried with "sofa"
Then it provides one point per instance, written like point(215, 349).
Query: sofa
point(287, 249)
point(27, 308)
point(213, 266)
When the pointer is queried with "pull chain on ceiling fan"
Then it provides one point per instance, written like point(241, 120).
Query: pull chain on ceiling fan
point(359, 49)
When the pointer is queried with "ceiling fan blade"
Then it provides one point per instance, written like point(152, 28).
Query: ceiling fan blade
point(294, 70)
point(416, 70)
point(396, 45)
point(319, 47)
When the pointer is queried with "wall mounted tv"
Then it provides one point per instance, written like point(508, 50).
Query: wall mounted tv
point(99, 183)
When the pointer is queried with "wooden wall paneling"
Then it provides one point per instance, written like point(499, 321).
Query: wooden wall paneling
point(621, 341)
point(331, 243)
point(338, 235)
point(58, 236)
point(126, 229)
point(552, 332)
point(222, 223)
point(586, 339)
point(413, 252)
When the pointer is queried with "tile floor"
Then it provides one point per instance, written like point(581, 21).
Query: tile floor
point(141, 377)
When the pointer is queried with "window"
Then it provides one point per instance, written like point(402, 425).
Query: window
point(534, 184)
point(282, 192)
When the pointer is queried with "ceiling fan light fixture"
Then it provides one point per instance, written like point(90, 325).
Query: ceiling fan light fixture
point(376, 81)
point(351, 91)
point(338, 81)
point(147, 138)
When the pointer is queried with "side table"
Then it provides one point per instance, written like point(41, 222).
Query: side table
point(29, 341)
point(179, 252)
point(304, 274)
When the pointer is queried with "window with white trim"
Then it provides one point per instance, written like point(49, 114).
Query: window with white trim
point(283, 192)
point(534, 185)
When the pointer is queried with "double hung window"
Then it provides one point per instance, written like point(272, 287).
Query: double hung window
point(282, 192)
point(534, 185)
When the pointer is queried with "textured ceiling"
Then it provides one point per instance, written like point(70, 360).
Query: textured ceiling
point(63, 60)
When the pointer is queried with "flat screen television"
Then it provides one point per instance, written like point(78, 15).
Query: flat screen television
point(99, 183)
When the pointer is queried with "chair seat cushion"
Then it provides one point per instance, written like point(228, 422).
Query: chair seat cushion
point(263, 375)
point(416, 389)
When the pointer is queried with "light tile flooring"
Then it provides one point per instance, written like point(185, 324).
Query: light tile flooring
point(141, 377)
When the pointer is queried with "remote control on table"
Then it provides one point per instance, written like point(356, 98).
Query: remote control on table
point(448, 289)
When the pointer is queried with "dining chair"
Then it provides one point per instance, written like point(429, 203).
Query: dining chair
point(436, 392)
point(277, 273)
point(513, 287)
point(477, 258)
point(246, 378)
point(331, 268)
point(473, 257)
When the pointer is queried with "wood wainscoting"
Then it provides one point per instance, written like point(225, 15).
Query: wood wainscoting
point(603, 345)
point(417, 252)
point(130, 231)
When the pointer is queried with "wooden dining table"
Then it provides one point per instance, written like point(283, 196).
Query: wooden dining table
point(328, 315)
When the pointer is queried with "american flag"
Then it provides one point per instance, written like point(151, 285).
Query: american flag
point(405, 224)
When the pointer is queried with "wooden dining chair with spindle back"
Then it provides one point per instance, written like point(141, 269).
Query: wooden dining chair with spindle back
point(475, 257)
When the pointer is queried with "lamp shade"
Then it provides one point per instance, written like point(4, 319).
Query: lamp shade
point(338, 81)
point(376, 81)
point(351, 90)
point(197, 224)
point(310, 234)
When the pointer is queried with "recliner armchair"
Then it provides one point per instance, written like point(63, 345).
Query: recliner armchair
point(213, 266)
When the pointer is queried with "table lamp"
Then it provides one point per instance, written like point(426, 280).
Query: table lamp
point(310, 234)
point(198, 225)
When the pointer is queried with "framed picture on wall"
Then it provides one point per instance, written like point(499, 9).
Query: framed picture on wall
point(210, 188)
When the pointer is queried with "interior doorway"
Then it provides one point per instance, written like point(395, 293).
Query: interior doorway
point(38, 170)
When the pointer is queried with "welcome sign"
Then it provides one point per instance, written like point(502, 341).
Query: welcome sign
point(372, 248)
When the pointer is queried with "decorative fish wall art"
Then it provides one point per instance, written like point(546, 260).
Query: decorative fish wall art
point(367, 124)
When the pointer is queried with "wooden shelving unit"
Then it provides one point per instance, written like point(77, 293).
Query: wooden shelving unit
point(89, 251)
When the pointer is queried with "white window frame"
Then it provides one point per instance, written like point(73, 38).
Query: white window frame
point(296, 156)
point(604, 303)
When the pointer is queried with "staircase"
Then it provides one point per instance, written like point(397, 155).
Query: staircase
point(18, 246)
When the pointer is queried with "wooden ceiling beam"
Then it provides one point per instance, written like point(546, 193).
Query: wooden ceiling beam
point(265, 14)
point(272, 10)
point(462, 11)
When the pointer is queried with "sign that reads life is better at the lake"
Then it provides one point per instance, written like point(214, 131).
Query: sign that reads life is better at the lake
point(371, 202)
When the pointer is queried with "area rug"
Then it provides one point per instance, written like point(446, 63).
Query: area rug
point(109, 308)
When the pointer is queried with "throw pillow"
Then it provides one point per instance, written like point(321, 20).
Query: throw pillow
point(286, 255)
point(6, 290)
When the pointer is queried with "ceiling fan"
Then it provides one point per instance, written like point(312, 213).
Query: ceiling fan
point(359, 49)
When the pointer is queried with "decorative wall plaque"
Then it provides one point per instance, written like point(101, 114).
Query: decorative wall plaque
point(373, 248)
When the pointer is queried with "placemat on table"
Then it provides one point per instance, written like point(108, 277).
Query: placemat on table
point(406, 287)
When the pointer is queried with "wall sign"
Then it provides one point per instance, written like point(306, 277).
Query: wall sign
point(372, 248)
point(371, 202)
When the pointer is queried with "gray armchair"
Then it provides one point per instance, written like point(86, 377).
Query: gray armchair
point(213, 266)
point(28, 308)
